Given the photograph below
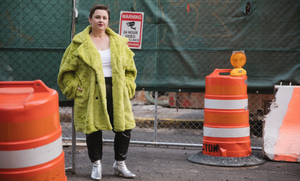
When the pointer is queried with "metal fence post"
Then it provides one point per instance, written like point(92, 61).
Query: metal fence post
point(72, 119)
point(155, 117)
point(73, 143)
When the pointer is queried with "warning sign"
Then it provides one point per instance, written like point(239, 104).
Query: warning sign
point(131, 27)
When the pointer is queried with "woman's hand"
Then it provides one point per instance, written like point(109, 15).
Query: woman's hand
point(78, 88)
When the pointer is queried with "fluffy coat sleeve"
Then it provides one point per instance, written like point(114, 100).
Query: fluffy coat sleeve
point(67, 79)
point(130, 73)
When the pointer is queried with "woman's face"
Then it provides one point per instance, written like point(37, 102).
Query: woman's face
point(99, 19)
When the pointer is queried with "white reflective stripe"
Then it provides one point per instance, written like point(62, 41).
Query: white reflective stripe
point(226, 132)
point(31, 157)
point(226, 104)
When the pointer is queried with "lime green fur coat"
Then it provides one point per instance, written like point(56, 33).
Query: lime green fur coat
point(81, 66)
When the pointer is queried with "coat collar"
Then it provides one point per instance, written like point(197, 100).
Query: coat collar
point(86, 49)
point(88, 52)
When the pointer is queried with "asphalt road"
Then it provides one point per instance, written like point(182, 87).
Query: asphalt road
point(164, 163)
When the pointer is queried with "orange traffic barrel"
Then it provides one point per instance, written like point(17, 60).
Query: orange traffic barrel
point(226, 129)
point(30, 132)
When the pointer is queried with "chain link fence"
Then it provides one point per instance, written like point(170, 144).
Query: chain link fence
point(33, 37)
point(174, 119)
point(180, 48)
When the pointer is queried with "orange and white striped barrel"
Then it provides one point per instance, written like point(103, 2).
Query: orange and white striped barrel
point(226, 116)
point(30, 132)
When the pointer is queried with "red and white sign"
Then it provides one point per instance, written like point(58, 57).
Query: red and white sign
point(131, 27)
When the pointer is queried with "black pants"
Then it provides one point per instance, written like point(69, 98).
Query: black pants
point(122, 139)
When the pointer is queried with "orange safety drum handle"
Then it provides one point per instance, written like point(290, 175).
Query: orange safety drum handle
point(217, 72)
point(37, 85)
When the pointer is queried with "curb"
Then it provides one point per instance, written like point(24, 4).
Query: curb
point(168, 122)
point(144, 120)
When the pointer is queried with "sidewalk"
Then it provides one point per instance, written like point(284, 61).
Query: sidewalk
point(162, 163)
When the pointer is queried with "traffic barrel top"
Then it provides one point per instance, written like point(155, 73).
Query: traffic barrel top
point(30, 132)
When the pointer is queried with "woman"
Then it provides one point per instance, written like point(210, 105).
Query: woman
point(98, 72)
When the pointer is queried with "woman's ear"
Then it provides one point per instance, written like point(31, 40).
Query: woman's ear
point(90, 21)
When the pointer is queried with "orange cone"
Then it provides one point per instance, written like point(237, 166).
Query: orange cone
point(226, 130)
point(226, 116)
point(30, 133)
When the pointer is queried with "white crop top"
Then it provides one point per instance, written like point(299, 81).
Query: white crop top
point(106, 62)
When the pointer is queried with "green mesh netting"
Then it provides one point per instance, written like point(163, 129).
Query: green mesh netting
point(179, 48)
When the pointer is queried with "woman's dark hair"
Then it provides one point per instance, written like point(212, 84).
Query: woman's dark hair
point(99, 6)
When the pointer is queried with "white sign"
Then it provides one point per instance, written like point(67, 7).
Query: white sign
point(131, 27)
